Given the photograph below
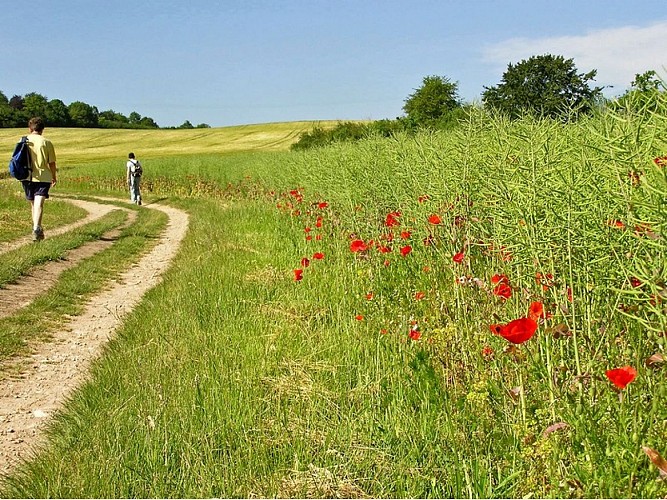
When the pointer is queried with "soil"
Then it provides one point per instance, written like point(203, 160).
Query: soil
point(40, 382)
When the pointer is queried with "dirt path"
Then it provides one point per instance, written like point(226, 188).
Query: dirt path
point(95, 211)
point(56, 368)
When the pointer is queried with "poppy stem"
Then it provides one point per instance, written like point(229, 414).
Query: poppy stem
point(522, 398)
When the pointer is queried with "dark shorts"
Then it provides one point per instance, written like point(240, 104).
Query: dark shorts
point(33, 189)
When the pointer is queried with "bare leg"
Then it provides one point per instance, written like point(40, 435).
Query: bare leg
point(37, 211)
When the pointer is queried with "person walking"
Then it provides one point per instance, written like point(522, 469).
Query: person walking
point(43, 175)
point(134, 172)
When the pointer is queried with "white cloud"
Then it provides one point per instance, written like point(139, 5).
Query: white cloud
point(617, 54)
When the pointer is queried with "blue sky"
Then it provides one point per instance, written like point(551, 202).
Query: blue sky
point(237, 62)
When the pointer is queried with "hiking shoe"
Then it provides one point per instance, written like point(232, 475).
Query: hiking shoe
point(38, 234)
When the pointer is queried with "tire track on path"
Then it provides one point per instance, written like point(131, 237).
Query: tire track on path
point(95, 211)
point(56, 368)
point(15, 296)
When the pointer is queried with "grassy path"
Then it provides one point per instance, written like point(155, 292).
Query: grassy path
point(55, 368)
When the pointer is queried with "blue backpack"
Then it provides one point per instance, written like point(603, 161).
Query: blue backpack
point(19, 165)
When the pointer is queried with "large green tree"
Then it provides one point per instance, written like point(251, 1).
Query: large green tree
point(83, 115)
point(433, 102)
point(546, 85)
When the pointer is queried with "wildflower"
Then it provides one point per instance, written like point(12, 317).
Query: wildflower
point(369, 296)
point(495, 328)
point(616, 224)
point(384, 249)
point(429, 240)
point(307, 229)
point(536, 311)
point(423, 198)
point(419, 295)
point(458, 258)
point(546, 280)
point(318, 237)
point(358, 246)
point(386, 262)
point(435, 219)
point(406, 250)
point(359, 317)
point(415, 334)
point(318, 256)
point(516, 331)
point(392, 219)
point(487, 353)
point(318, 222)
point(305, 262)
point(621, 377)
point(405, 235)
point(503, 290)
point(383, 331)
point(322, 204)
point(500, 278)
point(298, 274)
point(660, 161)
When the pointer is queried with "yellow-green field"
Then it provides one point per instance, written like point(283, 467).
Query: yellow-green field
point(75, 146)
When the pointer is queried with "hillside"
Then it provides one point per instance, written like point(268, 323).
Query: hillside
point(75, 146)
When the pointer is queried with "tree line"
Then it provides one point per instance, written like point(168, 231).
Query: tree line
point(545, 86)
point(17, 110)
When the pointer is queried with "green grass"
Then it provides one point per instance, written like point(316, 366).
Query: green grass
point(51, 309)
point(16, 218)
point(234, 380)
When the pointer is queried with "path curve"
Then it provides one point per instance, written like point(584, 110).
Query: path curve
point(56, 368)
point(95, 211)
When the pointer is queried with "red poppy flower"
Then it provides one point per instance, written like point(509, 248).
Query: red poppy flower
point(503, 290)
point(384, 249)
point(309, 237)
point(369, 296)
point(307, 229)
point(384, 331)
point(386, 263)
point(318, 222)
point(359, 317)
point(487, 353)
point(405, 235)
point(298, 274)
point(434, 219)
point(621, 377)
point(423, 198)
point(458, 258)
point(634, 281)
point(660, 161)
point(318, 237)
point(322, 204)
point(495, 328)
point(392, 219)
point(358, 246)
point(536, 311)
point(546, 280)
point(415, 334)
point(616, 223)
point(419, 295)
point(519, 330)
point(305, 262)
point(406, 250)
point(500, 278)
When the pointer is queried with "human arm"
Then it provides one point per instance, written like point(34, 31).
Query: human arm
point(54, 170)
